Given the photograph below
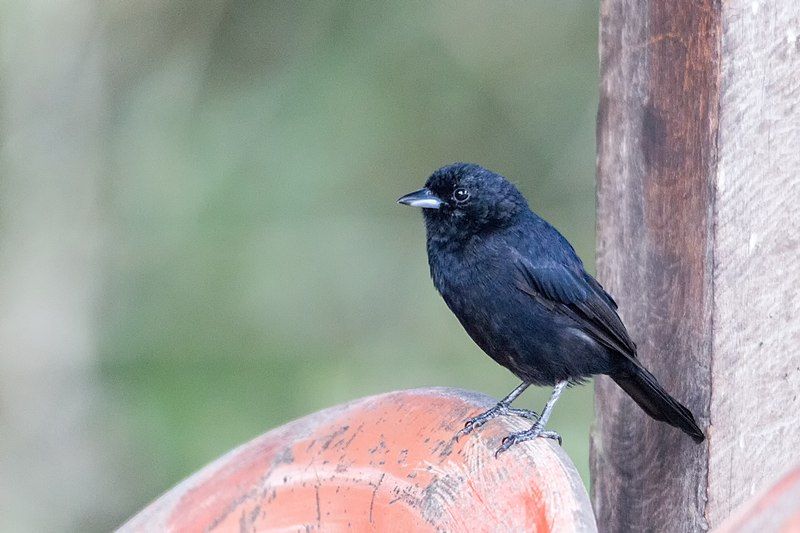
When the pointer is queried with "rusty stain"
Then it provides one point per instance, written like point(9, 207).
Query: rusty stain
point(415, 483)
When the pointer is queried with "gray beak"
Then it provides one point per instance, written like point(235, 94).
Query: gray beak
point(423, 198)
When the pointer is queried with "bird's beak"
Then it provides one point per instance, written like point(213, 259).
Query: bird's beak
point(423, 198)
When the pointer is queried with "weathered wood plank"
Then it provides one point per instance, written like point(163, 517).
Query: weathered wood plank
point(755, 368)
point(656, 149)
point(698, 186)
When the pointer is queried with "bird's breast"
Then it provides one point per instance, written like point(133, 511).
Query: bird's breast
point(480, 293)
point(512, 327)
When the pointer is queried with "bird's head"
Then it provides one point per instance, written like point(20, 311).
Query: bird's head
point(464, 199)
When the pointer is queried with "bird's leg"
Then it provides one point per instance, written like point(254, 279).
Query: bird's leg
point(538, 428)
point(501, 409)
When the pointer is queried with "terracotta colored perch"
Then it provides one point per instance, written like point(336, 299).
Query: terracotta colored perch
point(385, 463)
point(775, 509)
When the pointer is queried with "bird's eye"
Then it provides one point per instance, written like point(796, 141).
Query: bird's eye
point(460, 195)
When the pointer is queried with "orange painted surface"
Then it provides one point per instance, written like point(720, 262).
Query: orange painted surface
point(776, 509)
point(384, 463)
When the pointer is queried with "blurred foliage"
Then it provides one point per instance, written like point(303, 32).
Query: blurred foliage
point(256, 266)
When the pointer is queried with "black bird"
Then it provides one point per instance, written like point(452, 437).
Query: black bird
point(521, 292)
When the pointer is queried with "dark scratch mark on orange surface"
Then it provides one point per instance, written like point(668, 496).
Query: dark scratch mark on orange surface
point(372, 502)
point(319, 514)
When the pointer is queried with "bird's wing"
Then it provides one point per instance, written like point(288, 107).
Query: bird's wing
point(574, 293)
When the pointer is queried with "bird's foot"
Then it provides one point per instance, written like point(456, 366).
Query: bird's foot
point(500, 409)
point(522, 436)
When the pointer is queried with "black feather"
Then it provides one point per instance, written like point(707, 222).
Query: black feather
point(523, 295)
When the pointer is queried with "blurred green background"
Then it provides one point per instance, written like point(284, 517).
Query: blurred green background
point(199, 233)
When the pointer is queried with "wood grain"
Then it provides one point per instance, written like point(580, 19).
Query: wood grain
point(656, 148)
point(698, 169)
point(384, 463)
point(755, 388)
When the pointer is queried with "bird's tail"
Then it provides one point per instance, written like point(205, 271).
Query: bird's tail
point(642, 386)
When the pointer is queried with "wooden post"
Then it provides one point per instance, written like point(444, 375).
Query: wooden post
point(699, 241)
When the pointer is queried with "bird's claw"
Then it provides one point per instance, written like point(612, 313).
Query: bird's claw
point(472, 423)
point(498, 410)
point(535, 432)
